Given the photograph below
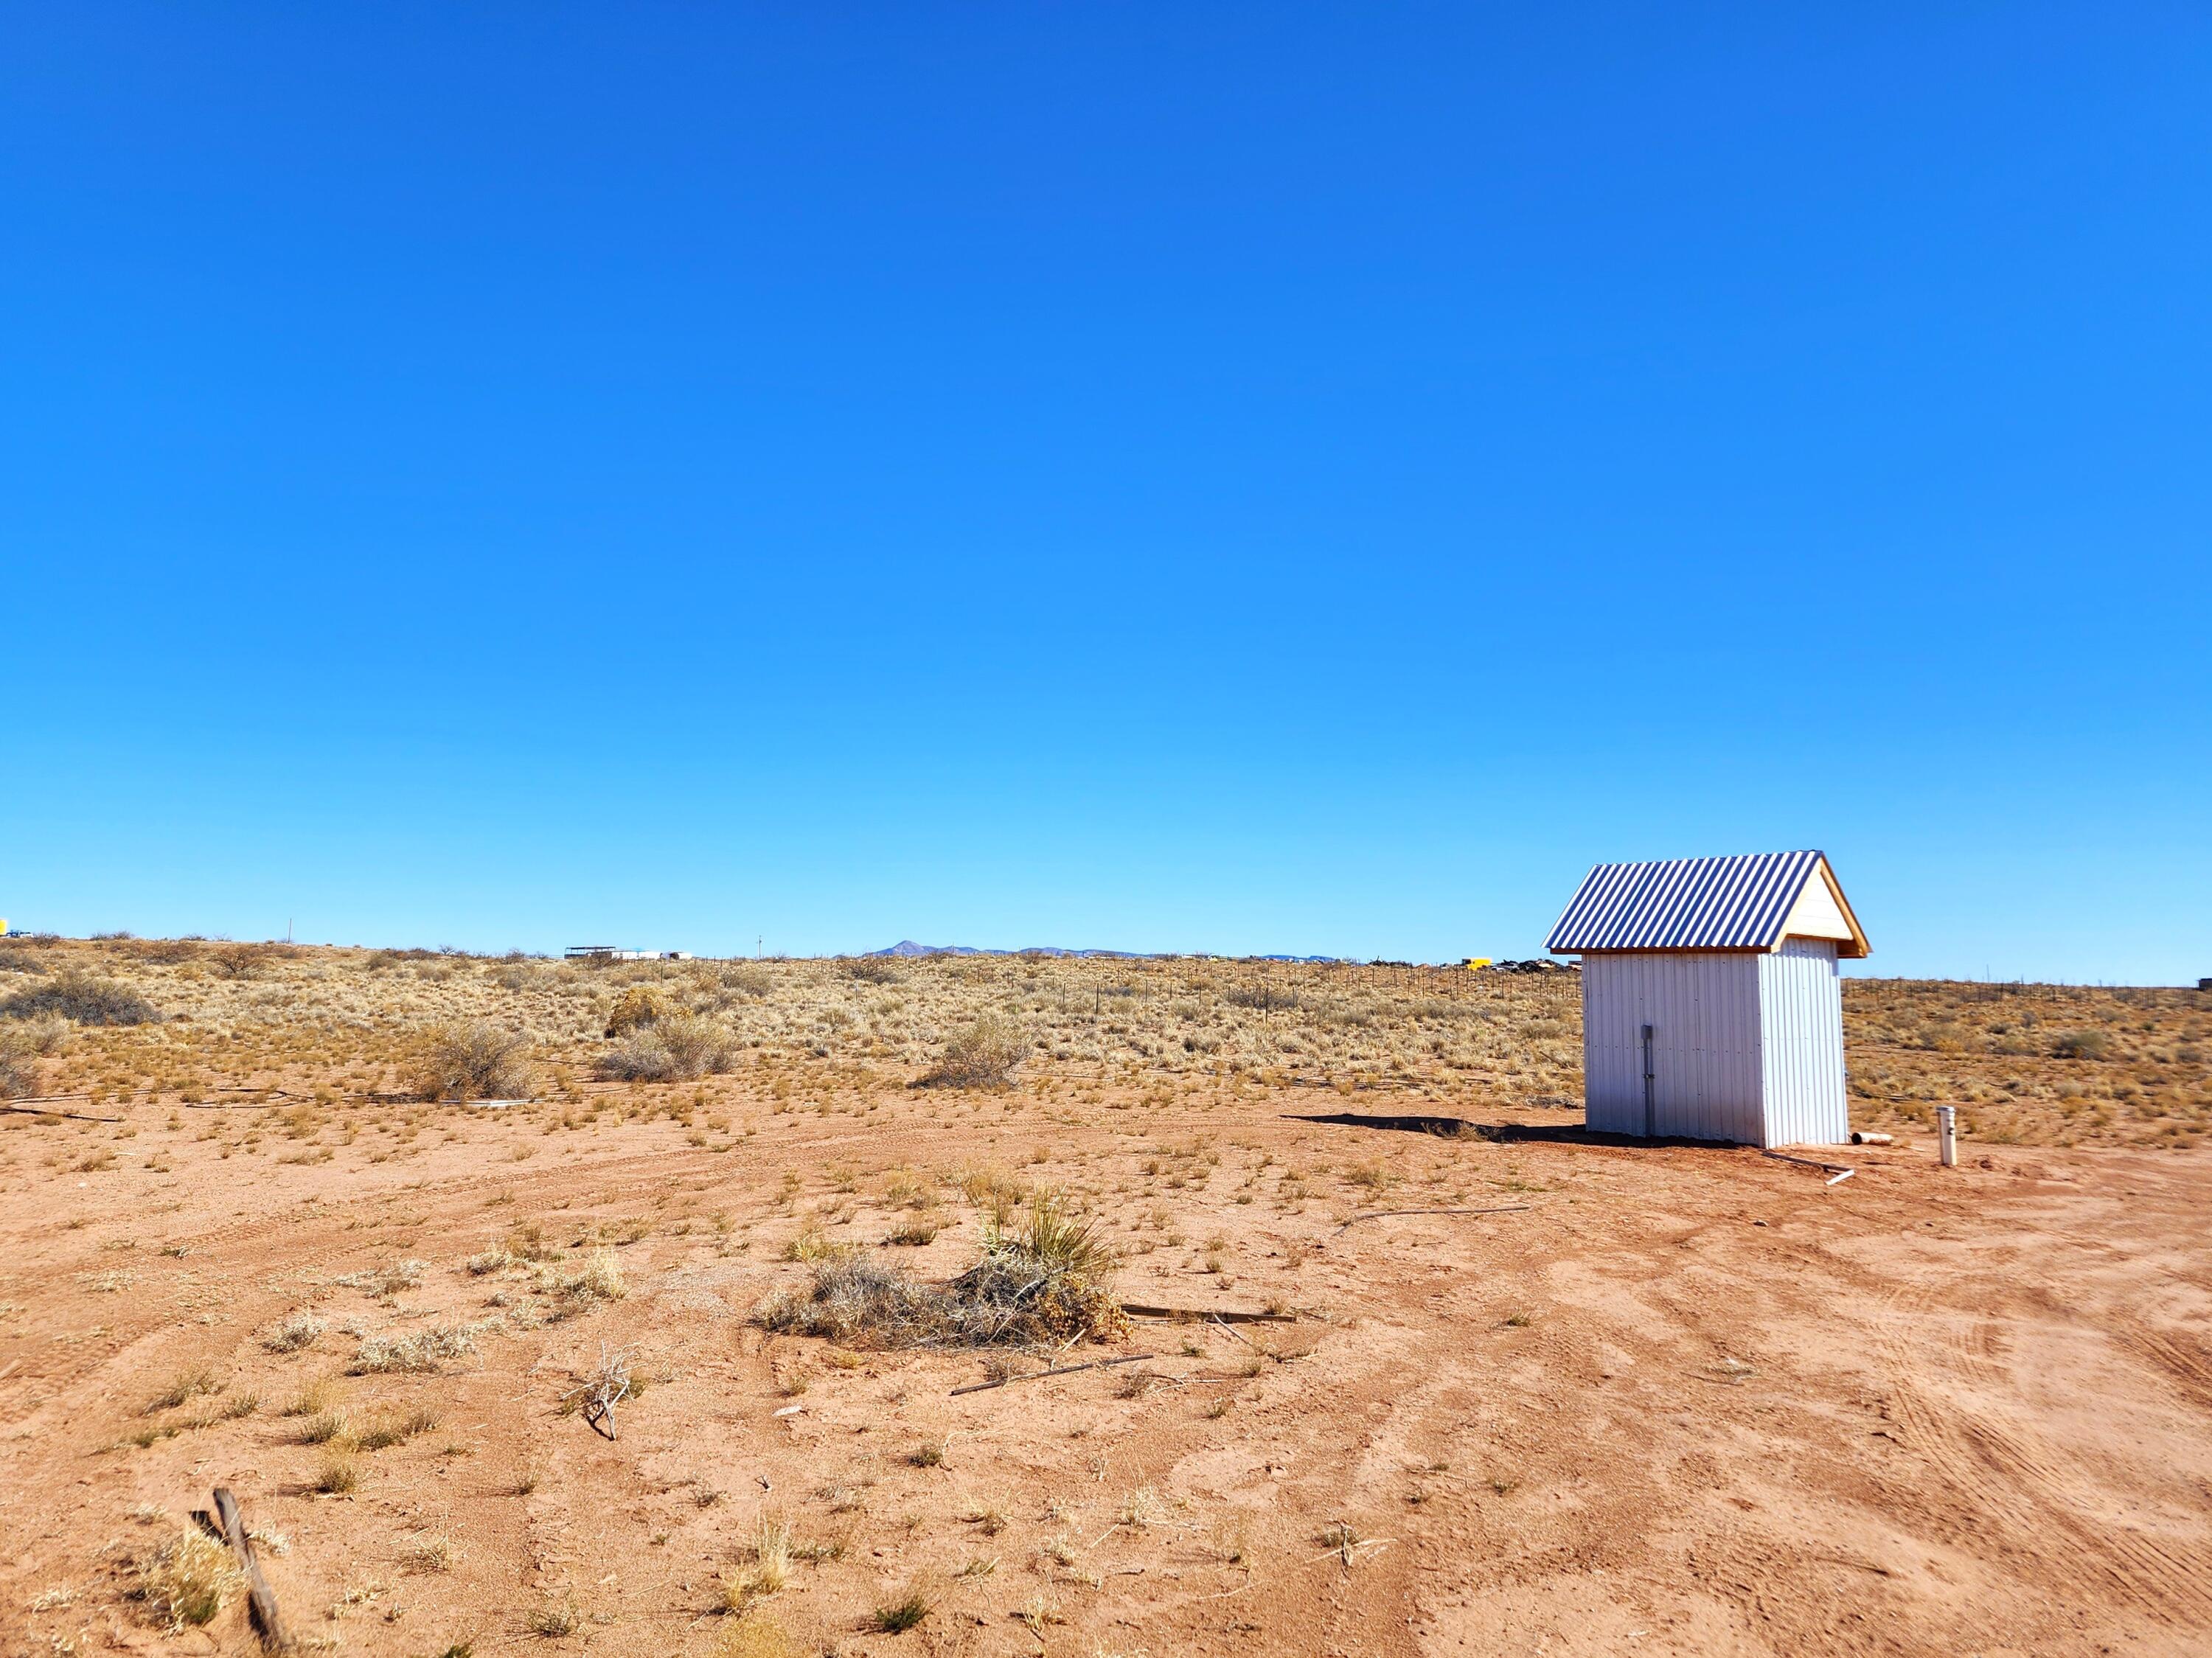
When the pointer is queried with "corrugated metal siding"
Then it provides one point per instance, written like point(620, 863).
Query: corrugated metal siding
point(1704, 1011)
point(1800, 1001)
point(1684, 903)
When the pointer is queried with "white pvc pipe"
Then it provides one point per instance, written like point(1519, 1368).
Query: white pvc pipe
point(1947, 1134)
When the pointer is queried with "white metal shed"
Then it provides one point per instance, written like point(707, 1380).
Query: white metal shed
point(1711, 1005)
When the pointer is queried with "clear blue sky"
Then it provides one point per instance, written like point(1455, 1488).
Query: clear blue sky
point(1261, 477)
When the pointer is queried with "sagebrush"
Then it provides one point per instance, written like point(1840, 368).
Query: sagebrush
point(476, 1061)
point(984, 1055)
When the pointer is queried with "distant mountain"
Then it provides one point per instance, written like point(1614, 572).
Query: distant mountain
point(907, 947)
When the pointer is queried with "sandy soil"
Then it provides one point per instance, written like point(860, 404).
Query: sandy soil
point(1674, 1400)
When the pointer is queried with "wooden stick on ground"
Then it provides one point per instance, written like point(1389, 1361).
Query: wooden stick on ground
point(260, 1599)
point(1064, 1369)
point(1199, 1316)
point(1381, 1214)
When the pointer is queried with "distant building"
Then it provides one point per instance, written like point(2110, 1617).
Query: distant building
point(609, 953)
point(1712, 1007)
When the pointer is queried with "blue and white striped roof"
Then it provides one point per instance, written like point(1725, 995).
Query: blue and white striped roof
point(1687, 903)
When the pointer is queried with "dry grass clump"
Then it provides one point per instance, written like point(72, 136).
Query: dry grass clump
point(431, 1552)
point(674, 1048)
point(300, 1328)
point(898, 1616)
point(555, 1619)
point(188, 1579)
point(754, 1635)
point(187, 1385)
point(384, 1281)
point(769, 1571)
point(1044, 1285)
point(78, 995)
point(424, 1350)
point(323, 1427)
point(338, 1472)
point(600, 1278)
point(388, 1428)
point(984, 1055)
point(476, 1061)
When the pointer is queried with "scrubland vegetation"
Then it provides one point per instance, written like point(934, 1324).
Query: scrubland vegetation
point(621, 1306)
point(192, 1022)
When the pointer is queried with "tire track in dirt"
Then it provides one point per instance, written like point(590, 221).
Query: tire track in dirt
point(2189, 1369)
point(1994, 1472)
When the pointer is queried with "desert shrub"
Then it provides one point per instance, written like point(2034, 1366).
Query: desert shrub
point(76, 994)
point(1042, 1285)
point(167, 952)
point(872, 970)
point(850, 1298)
point(675, 1047)
point(478, 1060)
point(984, 1055)
point(187, 1580)
point(2080, 1045)
point(426, 1350)
point(1266, 998)
point(16, 960)
point(239, 961)
point(19, 1048)
point(637, 1008)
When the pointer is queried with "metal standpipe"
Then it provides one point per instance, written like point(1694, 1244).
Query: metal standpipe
point(1650, 1117)
point(1947, 1134)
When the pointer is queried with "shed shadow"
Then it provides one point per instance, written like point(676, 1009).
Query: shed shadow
point(1496, 1134)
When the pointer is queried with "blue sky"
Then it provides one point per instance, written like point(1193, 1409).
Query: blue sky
point(1235, 478)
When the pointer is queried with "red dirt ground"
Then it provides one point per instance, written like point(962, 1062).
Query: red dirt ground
point(1686, 1401)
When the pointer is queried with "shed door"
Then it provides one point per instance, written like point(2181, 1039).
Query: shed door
point(1702, 1008)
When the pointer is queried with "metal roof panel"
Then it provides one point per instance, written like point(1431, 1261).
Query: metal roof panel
point(1685, 903)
